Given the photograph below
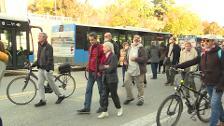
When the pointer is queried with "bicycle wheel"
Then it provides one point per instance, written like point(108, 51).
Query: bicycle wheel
point(169, 111)
point(21, 92)
point(204, 108)
point(66, 84)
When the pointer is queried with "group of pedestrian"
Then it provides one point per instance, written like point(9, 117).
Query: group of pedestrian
point(102, 67)
point(104, 59)
point(211, 64)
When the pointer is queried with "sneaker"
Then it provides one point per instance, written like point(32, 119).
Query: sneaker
point(103, 115)
point(99, 110)
point(41, 103)
point(128, 101)
point(140, 103)
point(120, 112)
point(60, 99)
point(83, 111)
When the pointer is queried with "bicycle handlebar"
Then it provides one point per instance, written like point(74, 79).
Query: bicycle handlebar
point(183, 71)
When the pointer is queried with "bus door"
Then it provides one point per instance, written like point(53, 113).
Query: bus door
point(6, 38)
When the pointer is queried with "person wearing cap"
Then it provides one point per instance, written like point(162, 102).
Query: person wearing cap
point(212, 67)
point(109, 79)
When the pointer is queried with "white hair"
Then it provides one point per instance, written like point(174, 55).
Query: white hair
point(109, 45)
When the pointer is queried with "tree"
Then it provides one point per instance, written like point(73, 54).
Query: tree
point(180, 21)
point(212, 28)
point(136, 13)
point(161, 7)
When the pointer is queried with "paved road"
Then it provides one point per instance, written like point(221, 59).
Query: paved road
point(65, 114)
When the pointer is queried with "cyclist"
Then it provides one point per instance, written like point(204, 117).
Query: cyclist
point(212, 67)
point(45, 64)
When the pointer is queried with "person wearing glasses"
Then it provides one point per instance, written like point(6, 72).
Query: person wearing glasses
point(212, 67)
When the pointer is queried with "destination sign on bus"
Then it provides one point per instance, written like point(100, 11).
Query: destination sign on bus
point(12, 24)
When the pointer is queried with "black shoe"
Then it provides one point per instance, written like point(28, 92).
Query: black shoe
point(40, 103)
point(83, 111)
point(167, 83)
point(60, 99)
point(128, 101)
point(99, 110)
point(154, 78)
point(140, 103)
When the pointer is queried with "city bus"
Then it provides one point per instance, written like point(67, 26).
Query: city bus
point(71, 43)
point(16, 35)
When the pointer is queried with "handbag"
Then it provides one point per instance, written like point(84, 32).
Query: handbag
point(4, 57)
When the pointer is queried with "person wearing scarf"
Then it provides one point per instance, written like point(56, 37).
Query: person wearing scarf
point(110, 79)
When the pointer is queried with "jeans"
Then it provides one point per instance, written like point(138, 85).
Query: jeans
point(154, 67)
point(217, 112)
point(124, 68)
point(89, 89)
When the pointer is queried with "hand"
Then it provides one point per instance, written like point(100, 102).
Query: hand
point(133, 58)
point(125, 63)
point(87, 67)
point(218, 90)
point(106, 66)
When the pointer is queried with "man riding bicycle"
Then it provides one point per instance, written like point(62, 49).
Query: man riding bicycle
point(212, 66)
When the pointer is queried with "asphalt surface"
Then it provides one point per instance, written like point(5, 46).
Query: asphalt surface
point(65, 113)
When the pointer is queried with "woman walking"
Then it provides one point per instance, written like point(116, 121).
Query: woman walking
point(123, 53)
point(110, 79)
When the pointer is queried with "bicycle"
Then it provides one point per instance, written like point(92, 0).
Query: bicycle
point(22, 90)
point(175, 104)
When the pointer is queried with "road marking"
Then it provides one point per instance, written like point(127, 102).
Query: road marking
point(4, 97)
point(149, 119)
point(142, 121)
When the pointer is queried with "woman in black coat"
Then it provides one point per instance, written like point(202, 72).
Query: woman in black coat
point(110, 79)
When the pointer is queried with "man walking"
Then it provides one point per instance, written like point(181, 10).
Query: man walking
point(173, 55)
point(108, 38)
point(96, 54)
point(45, 65)
point(136, 63)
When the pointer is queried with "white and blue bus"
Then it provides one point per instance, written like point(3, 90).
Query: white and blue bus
point(16, 35)
point(71, 43)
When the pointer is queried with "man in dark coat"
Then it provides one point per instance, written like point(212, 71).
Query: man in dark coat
point(173, 56)
point(212, 66)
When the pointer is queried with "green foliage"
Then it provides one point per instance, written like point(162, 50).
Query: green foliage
point(155, 15)
point(180, 21)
